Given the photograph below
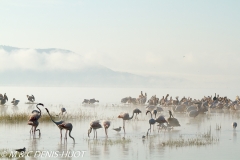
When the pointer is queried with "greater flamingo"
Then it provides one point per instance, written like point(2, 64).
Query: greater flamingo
point(106, 125)
point(33, 120)
point(63, 125)
point(125, 116)
point(94, 125)
point(151, 121)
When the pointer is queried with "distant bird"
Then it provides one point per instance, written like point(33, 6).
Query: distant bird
point(234, 124)
point(3, 99)
point(63, 110)
point(33, 120)
point(31, 98)
point(63, 125)
point(159, 109)
point(117, 129)
point(15, 102)
point(154, 112)
point(106, 125)
point(92, 101)
point(194, 113)
point(172, 122)
point(125, 116)
point(94, 125)
point(21, 150)
point(137, 111)
point(160, 120)
point(85, 101)
point(150, 107)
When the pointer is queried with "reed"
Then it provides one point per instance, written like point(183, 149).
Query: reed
point(24, 116)
point(199, 140)
point(108, 141)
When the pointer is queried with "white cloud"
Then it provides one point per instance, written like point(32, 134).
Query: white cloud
point(29, 59)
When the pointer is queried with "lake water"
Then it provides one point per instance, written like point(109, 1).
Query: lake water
point(114, 147)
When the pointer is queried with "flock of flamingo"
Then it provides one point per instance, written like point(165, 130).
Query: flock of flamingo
point(192, 107)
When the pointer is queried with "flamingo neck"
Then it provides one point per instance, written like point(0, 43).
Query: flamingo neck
point(150, 113)
point(132, 116)
point(51, 118)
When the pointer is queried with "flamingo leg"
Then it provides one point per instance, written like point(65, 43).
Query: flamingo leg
point(96, 134)
point(31, 130)
point(66, 134)
point(124, 126)
point(61, 133)
point(106, 132)
point(34, 131)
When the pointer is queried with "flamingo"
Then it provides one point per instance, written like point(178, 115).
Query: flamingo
point(33, 120)
point(63, 125)
point(125, 116)
point(160, 120)
point(106, 125)
point(94, 125)
point(151, 121)
point(137, 111)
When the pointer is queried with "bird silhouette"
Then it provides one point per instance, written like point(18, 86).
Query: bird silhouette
point(63, 125)
point(21, 150)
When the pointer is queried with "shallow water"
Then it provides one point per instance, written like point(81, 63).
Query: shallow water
point(17, 135)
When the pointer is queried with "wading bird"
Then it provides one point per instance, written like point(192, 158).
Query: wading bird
point(125, 116)
point(106, 125)
point(137, 111)
point(94, 125)
point(63, 125)
point(117, 129)
point(151, 121)
point(33, 120)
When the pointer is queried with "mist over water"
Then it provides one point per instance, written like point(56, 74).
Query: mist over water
point(110, 107)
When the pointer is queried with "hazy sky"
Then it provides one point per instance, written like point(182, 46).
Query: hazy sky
point(178, 38)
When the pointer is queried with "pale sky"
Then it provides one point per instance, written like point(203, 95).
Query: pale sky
point(177, 38)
